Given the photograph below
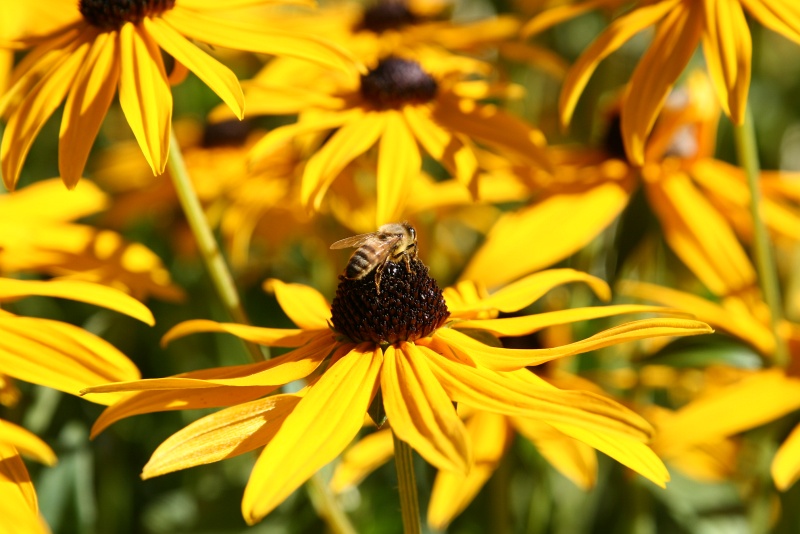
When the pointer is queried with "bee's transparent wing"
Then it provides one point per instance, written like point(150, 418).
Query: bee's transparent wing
point(353, 242)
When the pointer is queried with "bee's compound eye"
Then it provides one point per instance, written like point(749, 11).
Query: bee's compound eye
point(413, 232)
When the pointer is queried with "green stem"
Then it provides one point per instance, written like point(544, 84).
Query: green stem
point(407, 486)
point(209, 250)
point(327, 507)
point(747, 152)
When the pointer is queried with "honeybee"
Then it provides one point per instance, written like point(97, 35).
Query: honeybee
point(392, 242)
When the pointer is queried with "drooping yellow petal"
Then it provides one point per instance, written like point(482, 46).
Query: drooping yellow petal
point(319, 428)
point(27, 443)
point(785, 466)
point(217, 76)
point(399, 163)
point(364, 457)
point(652, 80)
point(506, 393)
point(304, 305)
point(96, 294)
point(617, 34)
point(545, 233)
point(271, 337)
point(753, 401)
point(47, 201)
point(781, 16)
point(224, 434)
point(420, 412)
point(502, 359)
point(515, 296)
point(19, 506)
point(144, 94)
point(453, 491)
point(86, 106)
point(561, 13)
point(727, 47)
point(528, 324)
point(350, 141)
point(39, 103)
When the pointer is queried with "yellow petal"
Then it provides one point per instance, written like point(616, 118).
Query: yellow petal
point(217, 76)
point(781, 16)
point(614, 36)
point(453, 491)
point(19, 506)
point(556, 15)
point(224, 434)
point(672, 47)
point(60, 356)
point(399, 163)
point(271, 337)
point(350, 141)
point(510, 394)
point(331, 413)
point(27, 443)
point(420, 412)
point(96, 294)
point(86, 106)
point(364, 457)
point(304, 305)
point(727, 47)
point(785, 466)
point(751, 402)
point(144, 94)
point(47, 201)
point(562, 224)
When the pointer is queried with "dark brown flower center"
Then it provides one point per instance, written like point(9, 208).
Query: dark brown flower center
point(226, 133)
point(112, 14)
point(409, 306)
point(387, 15)
point(395, 82)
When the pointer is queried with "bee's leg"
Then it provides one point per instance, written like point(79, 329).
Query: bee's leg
point(407, 259)
point(378, 273)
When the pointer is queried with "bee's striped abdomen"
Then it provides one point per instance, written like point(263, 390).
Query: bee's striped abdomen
point(361, 262)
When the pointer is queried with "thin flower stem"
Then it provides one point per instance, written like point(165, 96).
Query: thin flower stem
point(407, 486)
point(327, 507)
point(747, 152)
point(209, 250)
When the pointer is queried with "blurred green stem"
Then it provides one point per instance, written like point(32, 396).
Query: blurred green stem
point(206, 242)
point(747, 152)
point(407, 486)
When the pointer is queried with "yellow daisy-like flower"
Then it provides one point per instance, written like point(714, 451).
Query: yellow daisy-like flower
point(681, 25)
point(407, 106)
point(404, 349)
point(106, 45)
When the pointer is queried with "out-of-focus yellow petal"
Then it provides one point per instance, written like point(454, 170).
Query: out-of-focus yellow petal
point(319, 428)
point(420, 412)
point(525, 291)
point(699, 235)
point(753, 401)
point(304, 305)
point(528, 324)
point(617, 34)
point(32, 112)
point(570, 457)
point(453, 491)
point(49, 201)
point(271, 337)
point(224, 434)
point(555, 16)
point(107, 297)
point(214, 5)
point(254, 37)
point(27, 443)
point(144, 94)
point(350, 141)
point(782, 16)
point(86, 106)
point(507, 393)
point(728, 47)
point(652, 80)
point(785, 467)
point(60, 356)
point(217, 76)
point(501, 359)
point(399, 163)
point(368, 453)
point(544, 233)
point(18, 506)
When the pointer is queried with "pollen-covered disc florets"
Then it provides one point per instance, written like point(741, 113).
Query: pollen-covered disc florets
point(395, 82)
point(112, 14)
point(387, 15)
point(409, 306)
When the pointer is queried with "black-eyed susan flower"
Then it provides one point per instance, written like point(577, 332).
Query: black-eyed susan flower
point(681, 25)
point(405, 349)
point(103, 48)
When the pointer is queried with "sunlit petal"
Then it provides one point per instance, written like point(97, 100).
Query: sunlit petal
point(270, 337)
point(27, 443)
point(364, 457)
point(304, 305)
point(561, 13)
point(782, 16)
point(399, 163)
point(785, 467)
point(19, 506)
